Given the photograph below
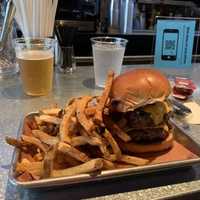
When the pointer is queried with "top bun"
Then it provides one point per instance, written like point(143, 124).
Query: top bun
point(139, 87)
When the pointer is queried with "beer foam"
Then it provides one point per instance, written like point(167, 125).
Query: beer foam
point(34, 54)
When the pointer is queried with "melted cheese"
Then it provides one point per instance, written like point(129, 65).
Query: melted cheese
point(157, 111)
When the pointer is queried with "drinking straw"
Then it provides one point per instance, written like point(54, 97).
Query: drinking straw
point(34, 14)
point(48, 17)
point(44, 18)
point(42, 21)
point(18, 14)
point(53, 13)
point(29, 14)
point(36, 17)
point(24, 17)
point(36, 4)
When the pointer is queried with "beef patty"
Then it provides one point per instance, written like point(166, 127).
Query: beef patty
point(140, 126)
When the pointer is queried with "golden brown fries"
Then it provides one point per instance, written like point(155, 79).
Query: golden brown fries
point(112, 157)
point(34, 168)
point(90, 111)
point(71, 101)
point(50, 119)
point(26, 156)
point(25, 176)
point(88, 167)
point(28, 125)
point(80, 112)
point(113, 144)
point(65, 123)
point(108, 164)
point(70, 160)
point(134, 160)
point(45, 138)
point(83, 140)
point(103, 99)
point(35, 141)
point(37, 120)
point(51, 111)
point(121, 165)
point(48, 162)
point(116, 130)
point(17, 143)
point(73, 152)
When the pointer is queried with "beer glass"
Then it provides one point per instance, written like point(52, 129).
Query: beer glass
point(35, 58)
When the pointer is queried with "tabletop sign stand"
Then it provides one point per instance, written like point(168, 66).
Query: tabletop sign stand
point(175, 45)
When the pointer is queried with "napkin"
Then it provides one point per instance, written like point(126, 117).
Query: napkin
point(194, 117)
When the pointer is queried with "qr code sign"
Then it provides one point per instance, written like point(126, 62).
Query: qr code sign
point(170, 44)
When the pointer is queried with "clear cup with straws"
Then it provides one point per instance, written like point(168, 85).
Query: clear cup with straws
point(36, 17)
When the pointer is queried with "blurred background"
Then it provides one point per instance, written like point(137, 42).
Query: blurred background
point(130, 19)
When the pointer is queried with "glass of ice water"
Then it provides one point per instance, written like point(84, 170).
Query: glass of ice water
point(108, 53)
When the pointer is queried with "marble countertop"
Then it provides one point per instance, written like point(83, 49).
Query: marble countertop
point(14, 105)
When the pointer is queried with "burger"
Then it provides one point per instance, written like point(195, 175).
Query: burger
point(139, 107)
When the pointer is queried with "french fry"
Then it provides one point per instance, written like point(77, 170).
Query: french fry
point(50, 119)
point(113, 144)
point(73, 127)
point(71, 101)
point(34, 168)
point(26, 156)
point(17, 143)
point(48, 162)
point(27, 130)
point(38, 156)
point(134, 160)
point(70, 160)
point(35, 141)
point(51, 111)
point(120, 165)
point(83, 132)
point(82, 140)
point(103, 99)
point(28, 125)
point(38, 120)
point(45, 138)
point(32, 123)
point(53, 105)
point(63, 160)
point(25, 177)
point(87, 124)
point(50, 129)
point(65, 123)
point(112, 157)
point(103, 148)
point(90, 111)
point(108, 164)
point(116, 129)
point(88, 167)
point(73, 152)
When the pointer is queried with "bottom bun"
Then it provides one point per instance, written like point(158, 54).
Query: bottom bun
point(144, 148)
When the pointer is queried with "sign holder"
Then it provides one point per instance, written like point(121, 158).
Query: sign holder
point(175, 45)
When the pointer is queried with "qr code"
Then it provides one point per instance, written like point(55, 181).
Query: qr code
point(170, 44)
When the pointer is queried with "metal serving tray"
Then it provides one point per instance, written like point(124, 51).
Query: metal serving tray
point(180, 136)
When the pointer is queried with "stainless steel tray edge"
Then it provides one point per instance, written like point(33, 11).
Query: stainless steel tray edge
point(95, 176)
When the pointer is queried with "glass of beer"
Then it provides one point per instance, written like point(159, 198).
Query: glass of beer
point(35, 58)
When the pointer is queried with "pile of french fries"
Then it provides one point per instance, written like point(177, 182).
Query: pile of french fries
point(75, 140)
